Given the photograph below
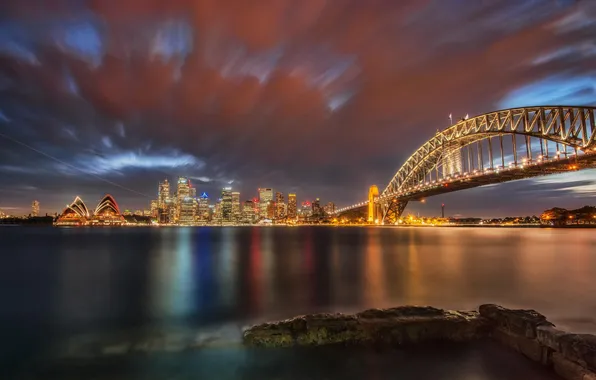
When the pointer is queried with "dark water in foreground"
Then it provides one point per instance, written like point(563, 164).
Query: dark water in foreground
point(59, 282)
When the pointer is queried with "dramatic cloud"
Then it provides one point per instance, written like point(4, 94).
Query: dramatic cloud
point(319, 97)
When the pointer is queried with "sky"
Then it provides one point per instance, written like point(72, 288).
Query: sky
point(318, 97)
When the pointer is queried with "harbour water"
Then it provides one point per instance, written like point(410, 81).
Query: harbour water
point(63, 282)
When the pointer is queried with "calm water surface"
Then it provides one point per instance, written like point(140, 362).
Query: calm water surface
point(59, 281)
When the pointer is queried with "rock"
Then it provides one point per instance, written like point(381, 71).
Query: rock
point(580, 348)
point(531, 348)
point(520, 322)
point(550, 337)
point(569, 370)
point(395, 326)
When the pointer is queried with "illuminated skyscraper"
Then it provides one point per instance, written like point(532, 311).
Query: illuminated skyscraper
point(217, 218)
point(236, 207)
point(280, 206)
point(226, 205)
point(265, 196)
point(163, 194)
point(35, 208)
point(329, 208)
point(203, 208)
point(317, 211)
point(182, 192)
point(187, 211)
point(249, 212)
point(154, 208)
point(193, 191)
point(292, 206)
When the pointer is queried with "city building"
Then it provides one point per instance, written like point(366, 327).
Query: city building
point(329, 208)
point(193, 191)
point(35, 208)
point(203, 212)
point(317, 210)
point(75, 214)
point(280, 206)
point(182, 192)
point(154, 208)
point(265, 196)
point(292, 206)
point(187, 211)
point(217, 217)
point(107, 212)
point(305, 211)
point(226, 205)
point(270, 210)
point(163, 193)
point(249, 212)
point(236, 215)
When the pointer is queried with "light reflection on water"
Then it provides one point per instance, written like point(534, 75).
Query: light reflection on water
point(85, 279)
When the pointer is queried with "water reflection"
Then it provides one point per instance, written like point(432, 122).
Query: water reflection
point(92, 278)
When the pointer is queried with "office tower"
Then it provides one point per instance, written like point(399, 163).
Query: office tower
point(187, 211)
point(217, 217)
point(226, 205)
point(270, 210)
point(329, 208)
point(305, 210)
point(317, 211)
point(203, 208)
point(193, 191)
point(182, 191)
point(249, 212)
point(280, 209)
point(292, 206)
point(35, 208)
point(163, 193)
point(265, 196)
point(154, 208)
point(172, 211)
point(236, 207)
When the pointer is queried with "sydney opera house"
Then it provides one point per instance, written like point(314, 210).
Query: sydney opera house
point(107, 213)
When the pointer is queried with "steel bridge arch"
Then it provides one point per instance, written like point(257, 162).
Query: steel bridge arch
point(566, 125)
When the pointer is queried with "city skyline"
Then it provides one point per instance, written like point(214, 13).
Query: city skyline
point(325, 103)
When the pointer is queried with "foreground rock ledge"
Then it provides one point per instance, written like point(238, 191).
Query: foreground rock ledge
point(571, 356)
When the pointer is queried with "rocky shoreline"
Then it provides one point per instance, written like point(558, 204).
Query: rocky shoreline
point(571, 356)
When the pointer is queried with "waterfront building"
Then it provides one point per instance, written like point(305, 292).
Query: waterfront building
point(226, 204)
point(163, 193)
point(182, 192)
point(236, 215)
point(187, 211)
point(280, 212)
point(154, 208)
point(270, 210)
point(305, 211)
point(127, 213)
point(292, 211)
point(217, 217)
point(249, 212)
point(265, 196)
point(317, 211)
point(203, 211)
point(138, 213)
point(35, 208)
point(107, 212)
point(75, 214)
point(172, 209)
point(329, 208)
point(147, 213)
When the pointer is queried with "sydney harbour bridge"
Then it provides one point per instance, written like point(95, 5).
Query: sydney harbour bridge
point(496, 147)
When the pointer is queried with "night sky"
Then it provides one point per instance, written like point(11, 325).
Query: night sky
point(318, 97)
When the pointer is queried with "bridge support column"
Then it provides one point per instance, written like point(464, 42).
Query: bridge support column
point(392, 210)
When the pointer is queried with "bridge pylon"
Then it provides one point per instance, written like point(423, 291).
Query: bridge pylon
point(373, 205)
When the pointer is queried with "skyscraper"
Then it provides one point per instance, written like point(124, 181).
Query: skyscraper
point(187, 211)
point(236, 207)
point(182, 191)
point(329, 208)
point(280, 206)
point(154, 208)
point(203, 208)
point(292, 206)
point(249, 212)
point(265, 196)
point(226, 205)
point(35, 208)
point(317, 211)
point(163, 194)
